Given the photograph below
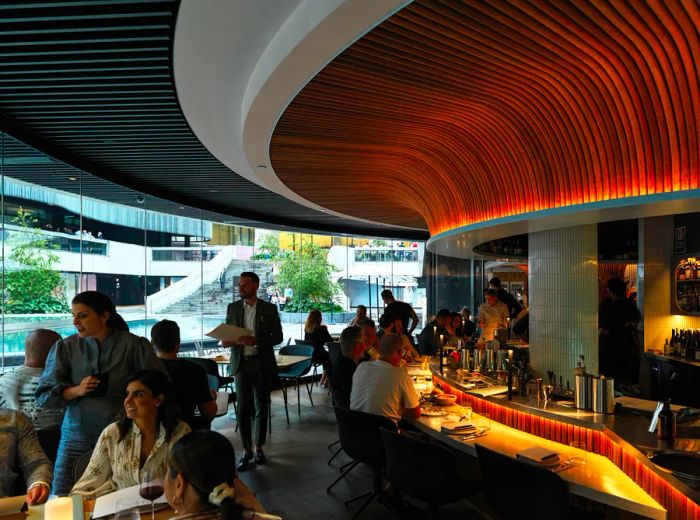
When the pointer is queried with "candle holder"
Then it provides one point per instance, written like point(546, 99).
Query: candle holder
point(64, 508)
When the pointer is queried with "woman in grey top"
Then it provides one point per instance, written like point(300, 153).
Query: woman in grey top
point(87, 373)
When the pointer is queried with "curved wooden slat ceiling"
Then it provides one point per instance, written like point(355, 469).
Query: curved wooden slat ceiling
point(453, 113)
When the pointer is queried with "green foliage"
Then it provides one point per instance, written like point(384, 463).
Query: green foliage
point(308, 272)
point(268, 249)
point(31, 284)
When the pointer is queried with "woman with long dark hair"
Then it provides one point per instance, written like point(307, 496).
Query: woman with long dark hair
point(317, 334)
point(86, 373)
point(201, 484)
point(138, 441)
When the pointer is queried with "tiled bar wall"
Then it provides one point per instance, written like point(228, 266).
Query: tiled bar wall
point(563, 282)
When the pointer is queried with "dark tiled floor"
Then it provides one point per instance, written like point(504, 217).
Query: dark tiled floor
point(293, 482)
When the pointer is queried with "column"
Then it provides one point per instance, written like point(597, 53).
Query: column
point(563, 296)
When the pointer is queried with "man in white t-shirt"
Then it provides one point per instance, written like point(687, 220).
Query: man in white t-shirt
point(383, 387)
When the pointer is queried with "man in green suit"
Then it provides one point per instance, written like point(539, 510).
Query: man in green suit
point(253, 363)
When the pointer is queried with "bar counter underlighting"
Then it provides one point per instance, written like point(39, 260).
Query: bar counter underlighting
point(618, 472)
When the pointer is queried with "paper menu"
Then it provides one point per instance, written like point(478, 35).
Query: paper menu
point(224, 332)
point(106, 505)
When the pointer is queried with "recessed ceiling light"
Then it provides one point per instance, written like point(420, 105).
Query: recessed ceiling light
point(213, 191)
point(72, 178)
point(182, 207)
point(262, 166)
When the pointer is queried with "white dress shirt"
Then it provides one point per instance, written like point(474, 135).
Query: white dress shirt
point(249, 323)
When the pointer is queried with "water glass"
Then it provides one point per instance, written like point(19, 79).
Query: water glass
point(578, 452)
point(127, 509)
point(468, 412)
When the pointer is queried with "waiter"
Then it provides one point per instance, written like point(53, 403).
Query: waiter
point(253, 363)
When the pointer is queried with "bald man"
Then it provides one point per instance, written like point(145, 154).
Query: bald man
point(17, 388)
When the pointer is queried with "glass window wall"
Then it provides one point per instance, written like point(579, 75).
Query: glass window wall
point(59, 238)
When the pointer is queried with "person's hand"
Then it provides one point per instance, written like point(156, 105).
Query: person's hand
point(248, 341)
point(87, 385)
point(37, 495)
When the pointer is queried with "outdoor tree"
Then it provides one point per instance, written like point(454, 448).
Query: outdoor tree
point(307, 271)
point(31, 284)
point(268, 249)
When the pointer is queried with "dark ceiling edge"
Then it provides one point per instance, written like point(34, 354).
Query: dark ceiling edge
point(21, 133)
point(359, 230)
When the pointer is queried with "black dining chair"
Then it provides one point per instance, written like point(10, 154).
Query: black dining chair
point(360, 439)
point(513, 488)
point(425, 471)
point(295, 373)
point(341, 399)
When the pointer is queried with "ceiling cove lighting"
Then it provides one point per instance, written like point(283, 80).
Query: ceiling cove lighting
point(453, 114)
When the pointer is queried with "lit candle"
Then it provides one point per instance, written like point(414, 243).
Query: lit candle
point(442, 339)
point(434, 330)
point(510, 356)
point(60, 508)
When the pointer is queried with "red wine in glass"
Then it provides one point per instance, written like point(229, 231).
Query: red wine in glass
point(151, 491)
point(151, 488)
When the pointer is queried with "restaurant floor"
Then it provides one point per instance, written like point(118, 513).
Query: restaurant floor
point(293, 482)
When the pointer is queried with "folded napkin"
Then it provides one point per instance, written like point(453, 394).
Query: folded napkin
point(538, 455)
point(456, 427)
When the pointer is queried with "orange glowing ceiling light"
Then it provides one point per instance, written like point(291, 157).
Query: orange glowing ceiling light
point(455, 113)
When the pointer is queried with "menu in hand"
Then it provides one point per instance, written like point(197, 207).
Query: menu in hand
point(224, 332)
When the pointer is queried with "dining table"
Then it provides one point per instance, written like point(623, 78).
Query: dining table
point(284, 361)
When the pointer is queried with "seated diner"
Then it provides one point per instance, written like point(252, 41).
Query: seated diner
point(138, 442)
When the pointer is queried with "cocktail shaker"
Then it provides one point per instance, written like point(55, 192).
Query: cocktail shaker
point(583, 392)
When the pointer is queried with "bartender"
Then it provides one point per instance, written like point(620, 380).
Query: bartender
point(493, 314)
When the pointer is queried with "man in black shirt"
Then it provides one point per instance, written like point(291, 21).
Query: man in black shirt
point(514, 308)
point(189, 380)
point(352, 346)
point(401, 309)
point(429, 336)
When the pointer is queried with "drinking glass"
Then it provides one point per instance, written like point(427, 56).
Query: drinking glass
point(151, 489)
point(484, 422)
point(578, 453)
point(127, 509)
point(468, 412)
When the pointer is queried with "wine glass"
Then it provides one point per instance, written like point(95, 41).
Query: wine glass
point(151, 488)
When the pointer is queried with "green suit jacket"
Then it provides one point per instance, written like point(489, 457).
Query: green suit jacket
point(268, 331)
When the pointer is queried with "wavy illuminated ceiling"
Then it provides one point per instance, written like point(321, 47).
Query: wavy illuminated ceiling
point(454, 113)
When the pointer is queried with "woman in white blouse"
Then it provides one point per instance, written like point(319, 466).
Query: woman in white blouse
point(139, 441)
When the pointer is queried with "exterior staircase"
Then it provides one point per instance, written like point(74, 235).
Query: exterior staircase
point(214, 300)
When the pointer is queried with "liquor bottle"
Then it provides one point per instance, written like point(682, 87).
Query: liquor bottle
point(688, 272)
point(684, 344)
point(680, 272)
point(667, 348)
point(672, 342)
point(667, 422)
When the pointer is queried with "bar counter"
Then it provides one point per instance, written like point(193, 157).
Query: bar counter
point(618, 472)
